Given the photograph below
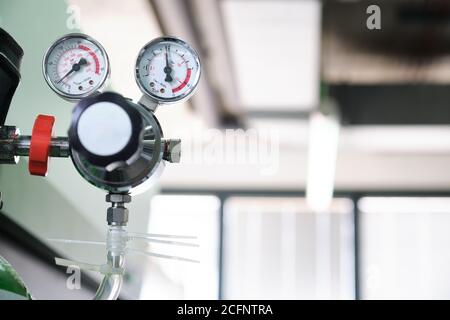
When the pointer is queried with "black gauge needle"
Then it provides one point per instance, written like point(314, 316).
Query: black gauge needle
point(75, 67)
point(168, 69)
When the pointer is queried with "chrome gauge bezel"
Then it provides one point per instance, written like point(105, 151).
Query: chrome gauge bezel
point(68, 96)
point(184, 96)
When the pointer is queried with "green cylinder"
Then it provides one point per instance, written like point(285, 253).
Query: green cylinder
point(11, 285)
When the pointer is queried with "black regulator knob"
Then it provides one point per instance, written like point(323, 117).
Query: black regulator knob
point(106, 130)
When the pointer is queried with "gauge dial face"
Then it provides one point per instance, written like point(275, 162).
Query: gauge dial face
point(76, 66)
point(167, 70)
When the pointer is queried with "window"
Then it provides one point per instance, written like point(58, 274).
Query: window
point(275, 248)
point(404, 247)
point(183, 215)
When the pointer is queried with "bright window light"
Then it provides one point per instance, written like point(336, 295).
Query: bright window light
point(404, 247)
point(271, 249)
point(195, 215)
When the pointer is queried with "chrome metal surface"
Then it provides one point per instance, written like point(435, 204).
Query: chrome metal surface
point(8, 134)
point(130, 175)
point(59, 146)
point(172, 150)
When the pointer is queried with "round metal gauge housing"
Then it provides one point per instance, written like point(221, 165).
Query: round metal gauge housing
point(76, 66)
point(167, 70)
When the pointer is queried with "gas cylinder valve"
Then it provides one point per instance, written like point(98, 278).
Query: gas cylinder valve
point(38, 147)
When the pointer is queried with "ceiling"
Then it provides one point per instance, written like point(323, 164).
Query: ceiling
point(262, 70)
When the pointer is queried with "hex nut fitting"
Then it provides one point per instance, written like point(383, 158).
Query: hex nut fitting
point(118, 198)
point(172, 150)
point(117, 216)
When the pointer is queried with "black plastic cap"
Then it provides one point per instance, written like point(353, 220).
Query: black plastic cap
point(10, 59)
point(11, 49)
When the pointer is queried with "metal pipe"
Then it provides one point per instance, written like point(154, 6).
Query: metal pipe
point(7, 136)
point(13, 145)
point(59, 146)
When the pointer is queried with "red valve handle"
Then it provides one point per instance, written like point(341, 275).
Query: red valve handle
point(40, 145)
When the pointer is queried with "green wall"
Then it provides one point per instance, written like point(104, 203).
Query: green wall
point(62, 205)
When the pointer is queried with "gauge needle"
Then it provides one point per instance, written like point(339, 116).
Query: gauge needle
point(75, 67)
point(168, 69)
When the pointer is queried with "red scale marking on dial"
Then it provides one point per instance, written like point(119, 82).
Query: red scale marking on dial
point(184, 83)
point(93, 55)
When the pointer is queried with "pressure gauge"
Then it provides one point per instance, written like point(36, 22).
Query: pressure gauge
point(167, 70)
point(76, 66)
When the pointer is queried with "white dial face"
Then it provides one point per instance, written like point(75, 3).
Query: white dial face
point(75, 66)
point(167, 69)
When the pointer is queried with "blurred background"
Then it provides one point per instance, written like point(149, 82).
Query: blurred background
point(314, 160)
